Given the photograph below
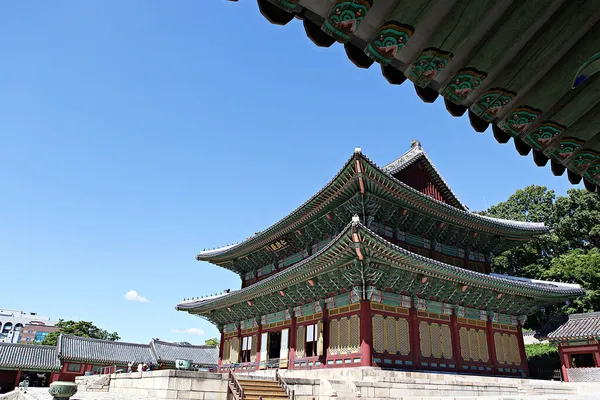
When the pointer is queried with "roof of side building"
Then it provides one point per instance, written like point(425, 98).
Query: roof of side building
point(74, 348)
point(578, 326)
point(170, 352)
point(28, 356)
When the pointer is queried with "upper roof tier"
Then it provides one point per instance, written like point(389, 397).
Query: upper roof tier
point(359, 175)
point(527, 68)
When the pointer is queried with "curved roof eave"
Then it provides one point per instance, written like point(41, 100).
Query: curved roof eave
point(464, 83)
point(210, 255)
point(462, 275)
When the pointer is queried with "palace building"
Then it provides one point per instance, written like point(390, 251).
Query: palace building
point(382, 267)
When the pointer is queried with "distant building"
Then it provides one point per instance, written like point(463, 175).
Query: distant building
point(19, 326)
point(578, 341)
point(35, 333)
point(74, 356)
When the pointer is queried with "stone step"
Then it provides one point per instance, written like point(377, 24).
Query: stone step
point(257, 382)
point(264, 392)
point(256, 397)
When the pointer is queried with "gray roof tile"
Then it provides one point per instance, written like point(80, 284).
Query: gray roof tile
point(578, 326)
point(28, 357)
point(74, 348)
point(169, 352)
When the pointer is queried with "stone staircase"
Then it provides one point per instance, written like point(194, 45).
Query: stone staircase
point(268, 389)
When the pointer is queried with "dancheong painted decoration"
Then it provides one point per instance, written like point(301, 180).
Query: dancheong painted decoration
point(527, 68)
point(384, 266)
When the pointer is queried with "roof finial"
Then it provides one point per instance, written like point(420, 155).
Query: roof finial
point(355, 218)
point(358, 150)
point(415, 144)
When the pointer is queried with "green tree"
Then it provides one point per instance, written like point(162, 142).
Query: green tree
point(79, 328)
point(532, 204)
point(581, 267)
point(569, 253)
point(577, 218)
point(212, 342)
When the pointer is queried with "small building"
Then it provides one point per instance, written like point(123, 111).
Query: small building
point(36, 332)
point(75, 356)
point(578, 341)
point(79, 355)
point(38, 364)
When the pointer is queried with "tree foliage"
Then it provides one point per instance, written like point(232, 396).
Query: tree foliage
point(540, 349)
point(79, 328)
point(569, 253)
point(212, 342)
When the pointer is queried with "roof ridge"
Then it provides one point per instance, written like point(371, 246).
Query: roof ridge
point(199, 346)
point(71, 336)
point(585, 315)
point(33, 345)
point(408, 158)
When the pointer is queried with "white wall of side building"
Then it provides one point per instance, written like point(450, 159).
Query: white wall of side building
point(12, 321)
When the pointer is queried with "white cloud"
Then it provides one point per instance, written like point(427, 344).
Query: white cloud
point(132, 295)
point(190, 331)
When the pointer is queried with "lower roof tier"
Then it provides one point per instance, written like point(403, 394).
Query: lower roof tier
point(359, 260)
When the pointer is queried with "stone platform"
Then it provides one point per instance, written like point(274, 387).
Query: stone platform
point(342, 383)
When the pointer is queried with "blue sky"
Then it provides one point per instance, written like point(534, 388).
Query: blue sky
point(135, 134)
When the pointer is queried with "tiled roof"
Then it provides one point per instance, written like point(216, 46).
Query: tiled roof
point(415, 153)
point(29, 357)
point(277, 229)
point(578, 326)
point(74, 348)
point(169, 352)
point(500, 283)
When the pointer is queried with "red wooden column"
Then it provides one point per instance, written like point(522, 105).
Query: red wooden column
point(597, 356)
point(325, 320)
point(292, 343)
point(239, 336)
point(521, 344)
point(221, 347)
point(366, 333)
point(565, 361)
point(456, 342)
point(415, 340)
point(18, 378)
point(258, 345)
point(489, 330)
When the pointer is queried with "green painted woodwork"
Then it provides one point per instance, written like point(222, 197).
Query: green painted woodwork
point(584, 159)
point(458, 25)
point(388, 40)
point(336, 269)
point(492, 103)
point(463, 83)
point(345, 17)
point(494, 48)
point(543, 134)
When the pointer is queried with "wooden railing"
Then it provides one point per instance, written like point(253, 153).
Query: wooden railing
point(235, 388)
point(290, 392)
